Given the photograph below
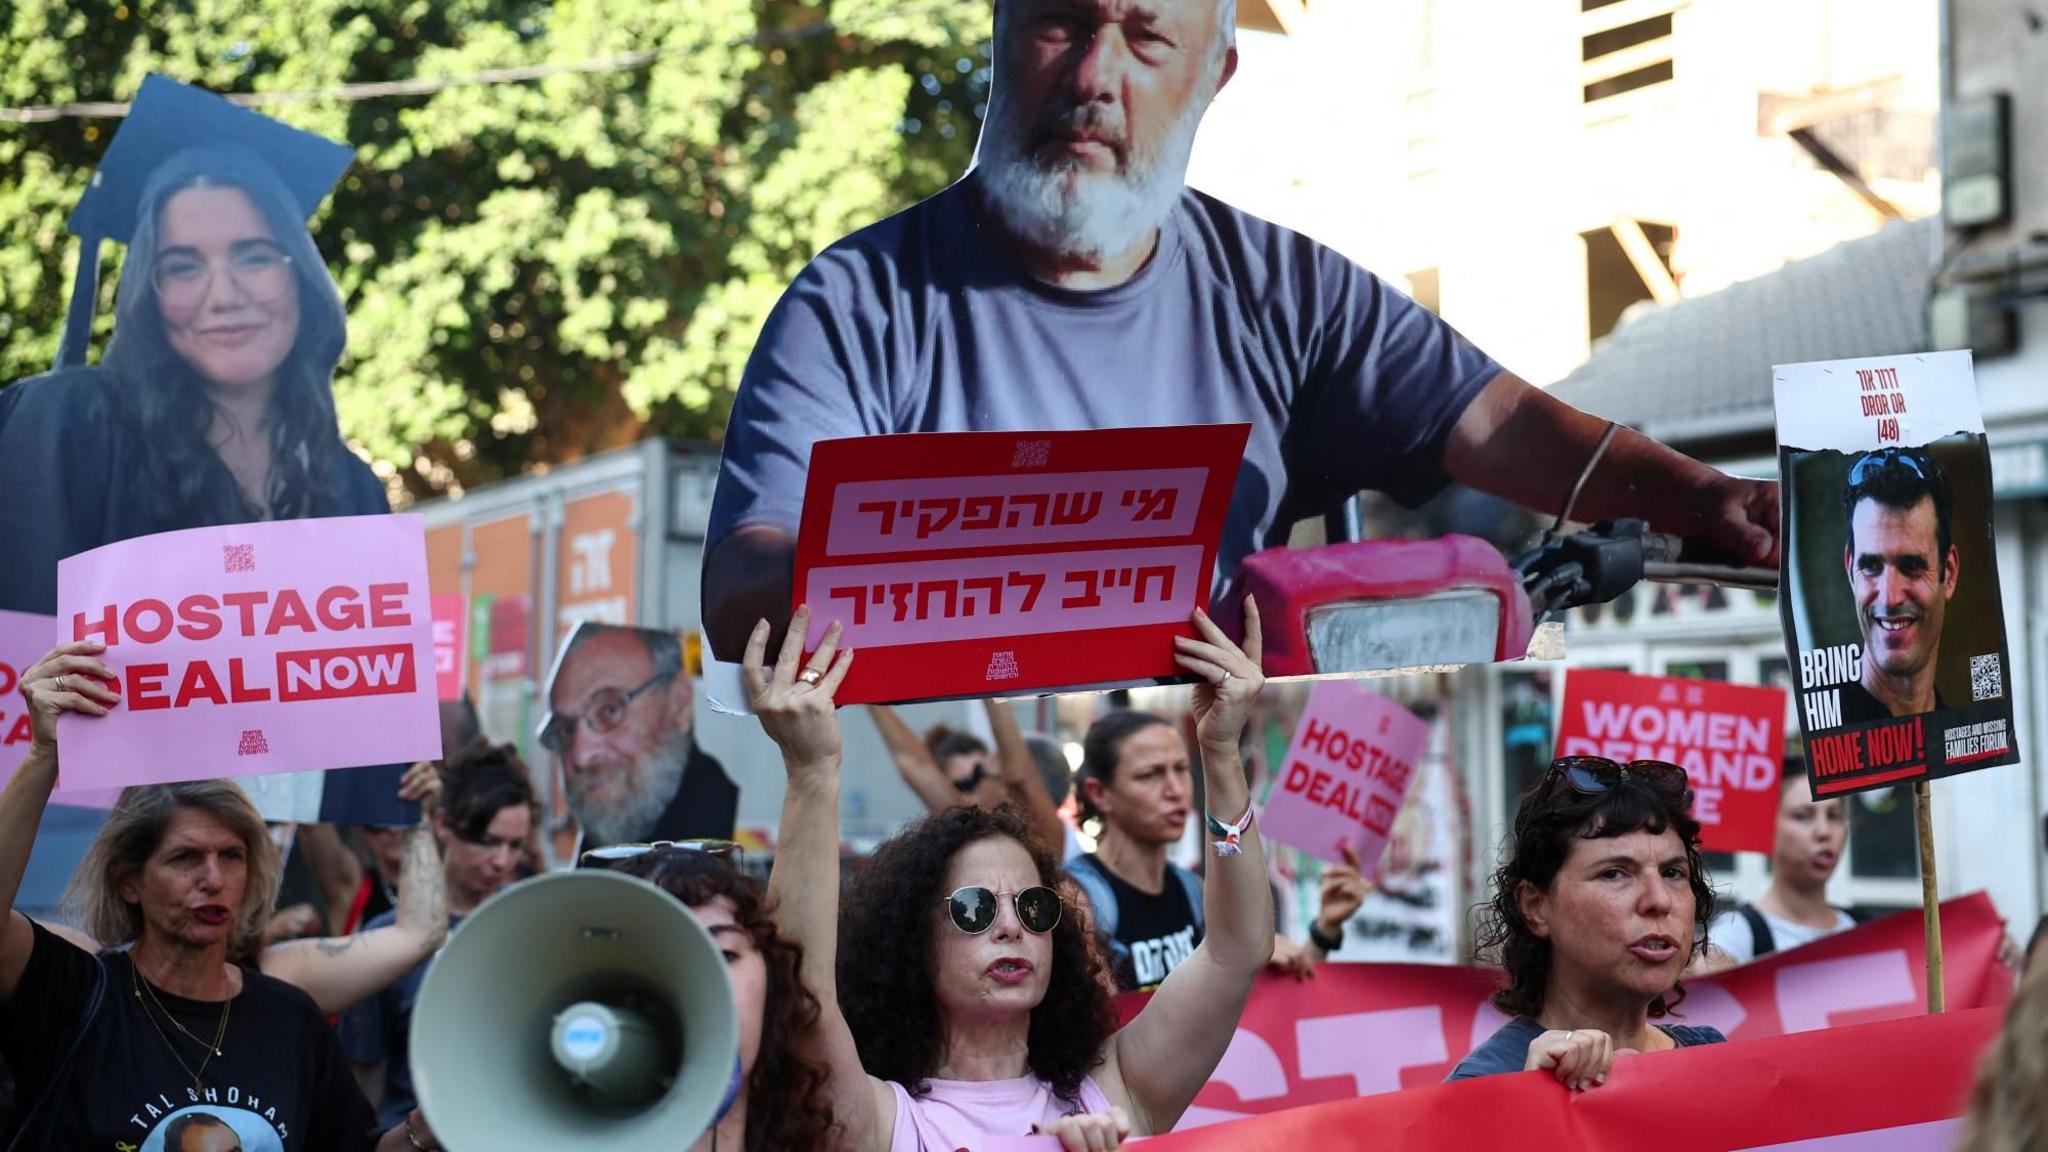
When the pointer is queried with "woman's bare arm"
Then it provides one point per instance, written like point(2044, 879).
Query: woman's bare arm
point(915, 761)
point(804, 882)
point(1020, 775)
point(1156, 1064)
point(339, 971)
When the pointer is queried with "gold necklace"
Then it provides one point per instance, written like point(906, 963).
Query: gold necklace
point(212, 1050)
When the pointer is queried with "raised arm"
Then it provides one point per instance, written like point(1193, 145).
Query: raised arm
point(61, 681)
point(1156, 1064)
point(1020, 775)
point(799, 715)
point(747, 579)
point(1519, 442)
point(339, 971)
point(915, 761)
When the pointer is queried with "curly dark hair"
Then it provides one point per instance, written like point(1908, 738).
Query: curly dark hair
point(1550, 816)
point(481, 781)
point(885, 958)
point(787, 1102)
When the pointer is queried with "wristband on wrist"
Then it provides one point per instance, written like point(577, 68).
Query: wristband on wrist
point(1228, 835)
point(1328, 944)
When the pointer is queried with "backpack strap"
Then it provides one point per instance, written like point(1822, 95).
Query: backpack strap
point(1192, 885)
point(1761, 943)
point(1087, 872)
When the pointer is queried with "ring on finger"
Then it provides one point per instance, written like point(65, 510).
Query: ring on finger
point(61, 686)
point(811, 676)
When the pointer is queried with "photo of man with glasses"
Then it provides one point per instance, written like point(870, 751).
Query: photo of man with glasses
point(619, 722)
point(1902, 565)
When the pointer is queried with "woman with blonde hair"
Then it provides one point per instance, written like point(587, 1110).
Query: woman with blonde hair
point(2009, 1106)
point(108, 1049)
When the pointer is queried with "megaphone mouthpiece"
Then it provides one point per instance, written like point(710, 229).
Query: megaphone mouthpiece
point(615, 1052)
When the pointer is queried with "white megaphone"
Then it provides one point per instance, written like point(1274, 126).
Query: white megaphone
point(576, 1010)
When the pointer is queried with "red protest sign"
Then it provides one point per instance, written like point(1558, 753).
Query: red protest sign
point(1898, 1086)
point(1729, 738)
point(976, 563)
point(451, 655)
point(1346, 774)
point(1365, 1029)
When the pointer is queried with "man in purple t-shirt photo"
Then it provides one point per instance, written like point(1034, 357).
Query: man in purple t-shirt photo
point(1071, 280)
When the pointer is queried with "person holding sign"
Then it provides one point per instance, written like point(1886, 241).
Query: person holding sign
point(213, 403)
point(1598, 908)
point(111, 1049)
point(968, 1002)
point(1902, 565)
point(1072, 280)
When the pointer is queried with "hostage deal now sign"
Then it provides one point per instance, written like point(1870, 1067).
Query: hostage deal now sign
point(986, 563)
point(254, 648)
point(1729, 738)
point(1346, 775)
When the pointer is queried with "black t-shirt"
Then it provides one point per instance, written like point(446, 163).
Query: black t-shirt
point(1157, 931)
point(280, 1081)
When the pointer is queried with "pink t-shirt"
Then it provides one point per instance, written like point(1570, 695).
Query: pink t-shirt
point(957, 1114)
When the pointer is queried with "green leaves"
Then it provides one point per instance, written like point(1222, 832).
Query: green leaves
point(534, 270)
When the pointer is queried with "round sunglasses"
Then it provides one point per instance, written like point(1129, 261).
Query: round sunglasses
point(973, 909)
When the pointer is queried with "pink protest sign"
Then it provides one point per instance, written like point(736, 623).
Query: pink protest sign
point(1346, 774)
point(451, 655)
point(25, 638)
point(966, 563)
point(248, 649)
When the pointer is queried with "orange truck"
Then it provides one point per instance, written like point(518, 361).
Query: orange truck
point(619, 538)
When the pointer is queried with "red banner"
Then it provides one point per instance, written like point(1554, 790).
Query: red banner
point(1364, 1029)
point(1730, 738)
point(966, 563)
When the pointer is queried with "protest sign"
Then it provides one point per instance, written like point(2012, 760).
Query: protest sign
point(971, 563)
point(1897, 1086)
point(254, 648)
point(25, 637)
point(1346, 774)
point(451, 655)
point(1361, 1029)
point(1729, 738)
point(1891, 603)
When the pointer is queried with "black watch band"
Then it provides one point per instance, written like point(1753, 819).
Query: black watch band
point(1327, 943)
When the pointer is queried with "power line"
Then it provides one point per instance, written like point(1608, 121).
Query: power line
point(386, 89)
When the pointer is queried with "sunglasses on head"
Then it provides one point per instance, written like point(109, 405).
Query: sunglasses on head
point(1884, 458)
point(1593, 775)
point(974, 909)
point(616, 854)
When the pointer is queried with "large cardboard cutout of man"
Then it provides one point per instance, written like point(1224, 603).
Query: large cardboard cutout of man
point(1902, 566)
point(1072, 280)
point(621, 725)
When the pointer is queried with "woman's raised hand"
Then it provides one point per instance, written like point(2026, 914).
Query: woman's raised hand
point(71, 678)
point(796, 707)
point(1231, 677)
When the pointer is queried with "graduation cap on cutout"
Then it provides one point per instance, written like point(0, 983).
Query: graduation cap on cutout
point(165, 119)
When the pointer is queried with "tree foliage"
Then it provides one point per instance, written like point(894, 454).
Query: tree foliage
point(534, 270)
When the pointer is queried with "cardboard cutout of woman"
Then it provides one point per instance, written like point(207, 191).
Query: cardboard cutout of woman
point(213, 403)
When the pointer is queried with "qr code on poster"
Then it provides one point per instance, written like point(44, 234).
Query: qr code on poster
point(1987, 677)
point(238, 557)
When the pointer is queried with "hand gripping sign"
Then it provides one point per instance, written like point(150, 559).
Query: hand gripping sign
point(1346, 774)
point(24, 639)
point(980, 563)
point(1729, 738)
point(254, 648)
point(1891, 601)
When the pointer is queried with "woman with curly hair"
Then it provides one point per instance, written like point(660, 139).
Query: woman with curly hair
point(970, 1003)
point(1598, 908)
point(782, 1103)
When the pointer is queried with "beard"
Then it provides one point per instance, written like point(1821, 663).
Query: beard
point(1064, 208)
point(628, 813)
